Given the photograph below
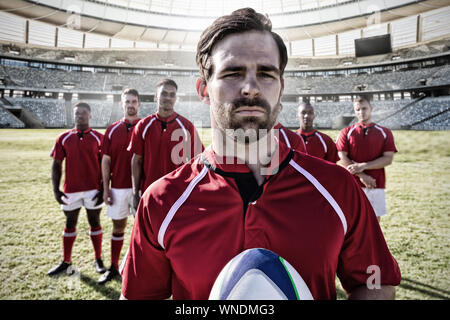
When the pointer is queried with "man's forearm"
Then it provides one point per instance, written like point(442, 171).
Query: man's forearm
point(106, 171)
point(344, 160)
point(136, 172)
point(378, 163)
point(56, 175)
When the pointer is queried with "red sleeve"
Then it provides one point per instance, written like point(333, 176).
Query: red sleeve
point(299, 144)
point(389, 144)
point(106, 143)
point(342, 142)
point(332, 153)
point(137, 144)
point(58, 152)
point(364, 246)
point(147, 272)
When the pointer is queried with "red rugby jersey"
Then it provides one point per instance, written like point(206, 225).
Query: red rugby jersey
point(115, 143)
point(366, 143)
point(319, 145)
point(191, 222)
point(290, 138)
point(82, 152)
point(165, 144)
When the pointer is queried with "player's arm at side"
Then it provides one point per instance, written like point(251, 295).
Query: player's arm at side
point(363, 293)
point(136, 175)
point(106, 177)
point(56, 180)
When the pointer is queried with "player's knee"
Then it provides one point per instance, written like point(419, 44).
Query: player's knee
point(93, 218)
point(119, 225)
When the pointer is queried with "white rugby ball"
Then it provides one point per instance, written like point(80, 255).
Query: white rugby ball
point(259, 274)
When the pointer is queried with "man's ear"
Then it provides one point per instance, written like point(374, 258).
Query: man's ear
point(202, 91)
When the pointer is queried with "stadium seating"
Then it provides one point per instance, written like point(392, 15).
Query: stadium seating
point(373, 82)
point(50, 111)
point(387, 113)
point(8, 120)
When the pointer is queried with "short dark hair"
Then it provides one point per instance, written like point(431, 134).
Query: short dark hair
point(131, 91)
point(241, 20)
point(362, 98)
point(169, 82)
point(82, 105)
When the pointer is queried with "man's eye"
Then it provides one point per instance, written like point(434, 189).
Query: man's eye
point(231, 75)
point(266, 75)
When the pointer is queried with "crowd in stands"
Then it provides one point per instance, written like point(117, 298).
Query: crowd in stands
point(108, 82)
point(394, 114)
point(370, 82)
point(185, 59)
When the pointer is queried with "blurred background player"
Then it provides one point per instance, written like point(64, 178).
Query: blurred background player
point(318, 144)
point(161, 142)
point(80, 148)
point(116, 173)
point(365, 148)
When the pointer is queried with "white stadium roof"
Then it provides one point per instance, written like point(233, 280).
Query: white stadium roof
point(177, 24)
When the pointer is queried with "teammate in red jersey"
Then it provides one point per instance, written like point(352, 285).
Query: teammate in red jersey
point(311, 212)
point(80, 148)
point(116, 173)
point(365, 149)
point(162, 141)
point(318, 144)
point(291, 139)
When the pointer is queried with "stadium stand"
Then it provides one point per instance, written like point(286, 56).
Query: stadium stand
point(8, 120)
point(49, 111)
point(32, 73)
point(28, 77)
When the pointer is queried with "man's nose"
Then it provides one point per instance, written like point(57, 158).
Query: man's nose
point(250, 88)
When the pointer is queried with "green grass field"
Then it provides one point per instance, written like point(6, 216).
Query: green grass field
point(31, 222)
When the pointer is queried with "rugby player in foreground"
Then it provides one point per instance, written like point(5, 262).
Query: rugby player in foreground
point(191, 222)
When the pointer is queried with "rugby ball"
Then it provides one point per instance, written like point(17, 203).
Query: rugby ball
point(259, 274)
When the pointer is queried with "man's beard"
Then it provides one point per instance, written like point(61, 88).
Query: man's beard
point(250, 128)
point(131, 112)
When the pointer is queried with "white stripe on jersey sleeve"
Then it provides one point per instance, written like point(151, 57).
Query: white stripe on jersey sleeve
point(147, 126)
point(381, 130)
point(96, 138)
point(112, 130)
point(350, 131)
point(285, 137)
point(178, 204)
point(184, 129)
point(65, 138)
point(323, 142)
point(323, 191)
